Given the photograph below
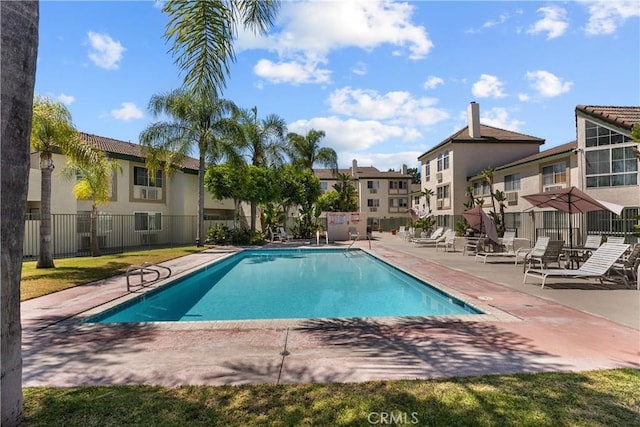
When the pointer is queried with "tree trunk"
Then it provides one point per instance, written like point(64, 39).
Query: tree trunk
point(95, 248)
point(254, 210)
point(45, 260)
point(19, 39)
point(200, 231)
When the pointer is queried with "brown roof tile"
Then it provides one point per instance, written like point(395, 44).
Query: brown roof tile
point(489, 134)
point(564, 148)
point(624, 117)
point(114, 146)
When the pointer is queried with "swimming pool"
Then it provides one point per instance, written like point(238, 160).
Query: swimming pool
point(289, 284)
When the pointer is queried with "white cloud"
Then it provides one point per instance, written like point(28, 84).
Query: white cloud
point(499, 117)
point(554, 22)
point(105, 52)
point(432, 82)
point(65, 99)
point(291, 72)
point(547, 84)
point(606, 16)
point(129, 111)
point(360, 69)
point(311, 30)
point(396, 107)
point(488, 87)
point(502, 18)
point(523, 97)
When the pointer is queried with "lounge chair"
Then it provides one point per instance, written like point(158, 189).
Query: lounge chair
point(448, 242)
point(506, 246)
point(597, 266)
point(627, 266)
point(402, 231)
point(551, 254)
point(538, 250)
point(283, 234)
point(432, 242)
point(615, 239)
point(437, 233)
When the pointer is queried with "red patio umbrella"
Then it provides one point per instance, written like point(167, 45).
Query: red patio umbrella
point(570, 200)
point(479, 220)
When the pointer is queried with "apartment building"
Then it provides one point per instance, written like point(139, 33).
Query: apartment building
point(601, 161)
point(446, 167)
point(162, 208)
point(381, 195)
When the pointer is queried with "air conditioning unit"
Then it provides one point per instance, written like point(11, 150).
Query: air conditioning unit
point(439, 177)
point(149, 193)
point(512, 197)
point(373, 209)
point(554, 188)
point(148, 239)
point(439, 204)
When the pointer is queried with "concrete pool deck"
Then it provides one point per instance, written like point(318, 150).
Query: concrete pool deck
point(570, 325)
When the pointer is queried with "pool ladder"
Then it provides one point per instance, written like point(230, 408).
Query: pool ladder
point(357, 237)
point(144, 269)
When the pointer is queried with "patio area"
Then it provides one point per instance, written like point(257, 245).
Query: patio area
point(571, 325)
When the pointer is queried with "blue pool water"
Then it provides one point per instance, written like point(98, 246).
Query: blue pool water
point(286, 284)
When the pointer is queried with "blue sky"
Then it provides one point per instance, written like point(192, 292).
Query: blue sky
point(385, 80)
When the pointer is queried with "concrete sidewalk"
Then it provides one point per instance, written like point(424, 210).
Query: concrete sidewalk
point(564, 327)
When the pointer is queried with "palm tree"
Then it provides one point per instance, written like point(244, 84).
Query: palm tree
point(198, 121)
point(93, 184)
point(487, 174)
point(263, 139)
point(305, 151)
point(52, 129)
point(427, 193)
point(203, 33)
point(347, 193)
point(19, 41)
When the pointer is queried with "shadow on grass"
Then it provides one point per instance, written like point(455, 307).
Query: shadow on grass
point(591, 398)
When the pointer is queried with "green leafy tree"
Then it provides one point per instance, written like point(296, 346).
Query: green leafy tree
point(501, 198)
point(487, 174)
point(196, 122)
point(348, 195)
point(305, 151)
point(427, 193)
point(52, 129)
point(94, 184)
point(300, 188)
point(415, 175)
point(228, 181)
point(19, 34)
point(202, 33)
point(263, 139)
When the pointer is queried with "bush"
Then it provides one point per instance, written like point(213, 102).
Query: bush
point(218, 235)
point(221, 235)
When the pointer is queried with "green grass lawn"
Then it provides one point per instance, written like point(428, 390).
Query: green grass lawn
point(596, 398)
point(71, 272)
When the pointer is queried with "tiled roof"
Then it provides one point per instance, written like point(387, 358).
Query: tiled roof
point(115, 146)
point(564, 148)
point(363, 172)
point(489, 134)
point(624, 117)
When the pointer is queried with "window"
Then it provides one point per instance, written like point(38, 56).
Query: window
point(442, 192)
point(323, 186)
point(373, 203)
point(605, 222)
point(554, 174)
point(373, 185)
point(512, 221)
point(416, 200)
point(141, 177)
point(427, 171)
point(598, 136)
point(104, 223)
point(398, 203)
point(398, 185)
point(512, 182)
point(443, 161)
point(612, 166)
point(147, 221)
point(481, 189)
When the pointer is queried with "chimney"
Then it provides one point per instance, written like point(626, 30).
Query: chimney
point(354, 168)
point(473, 116)
point(404, 169)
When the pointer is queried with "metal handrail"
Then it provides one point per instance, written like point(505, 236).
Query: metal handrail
point(145, 268)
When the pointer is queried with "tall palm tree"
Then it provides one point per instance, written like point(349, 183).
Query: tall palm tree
point(264, 140)
point(94, 184)
point(19, 45)
point(427, 193)
point(197, 121)
point(52, 129)
point(305, 151)
point(203, 31)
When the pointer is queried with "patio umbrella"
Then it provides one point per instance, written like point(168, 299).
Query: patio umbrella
point(570, 200)
point(417, 214)
point(479, 220)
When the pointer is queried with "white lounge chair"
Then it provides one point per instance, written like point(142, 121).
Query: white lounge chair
point(437, 233)
point(508, 252)
point(283, 234)
point(433, 242)
point(552, 252)
point(448, 242)
point(597, 266)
